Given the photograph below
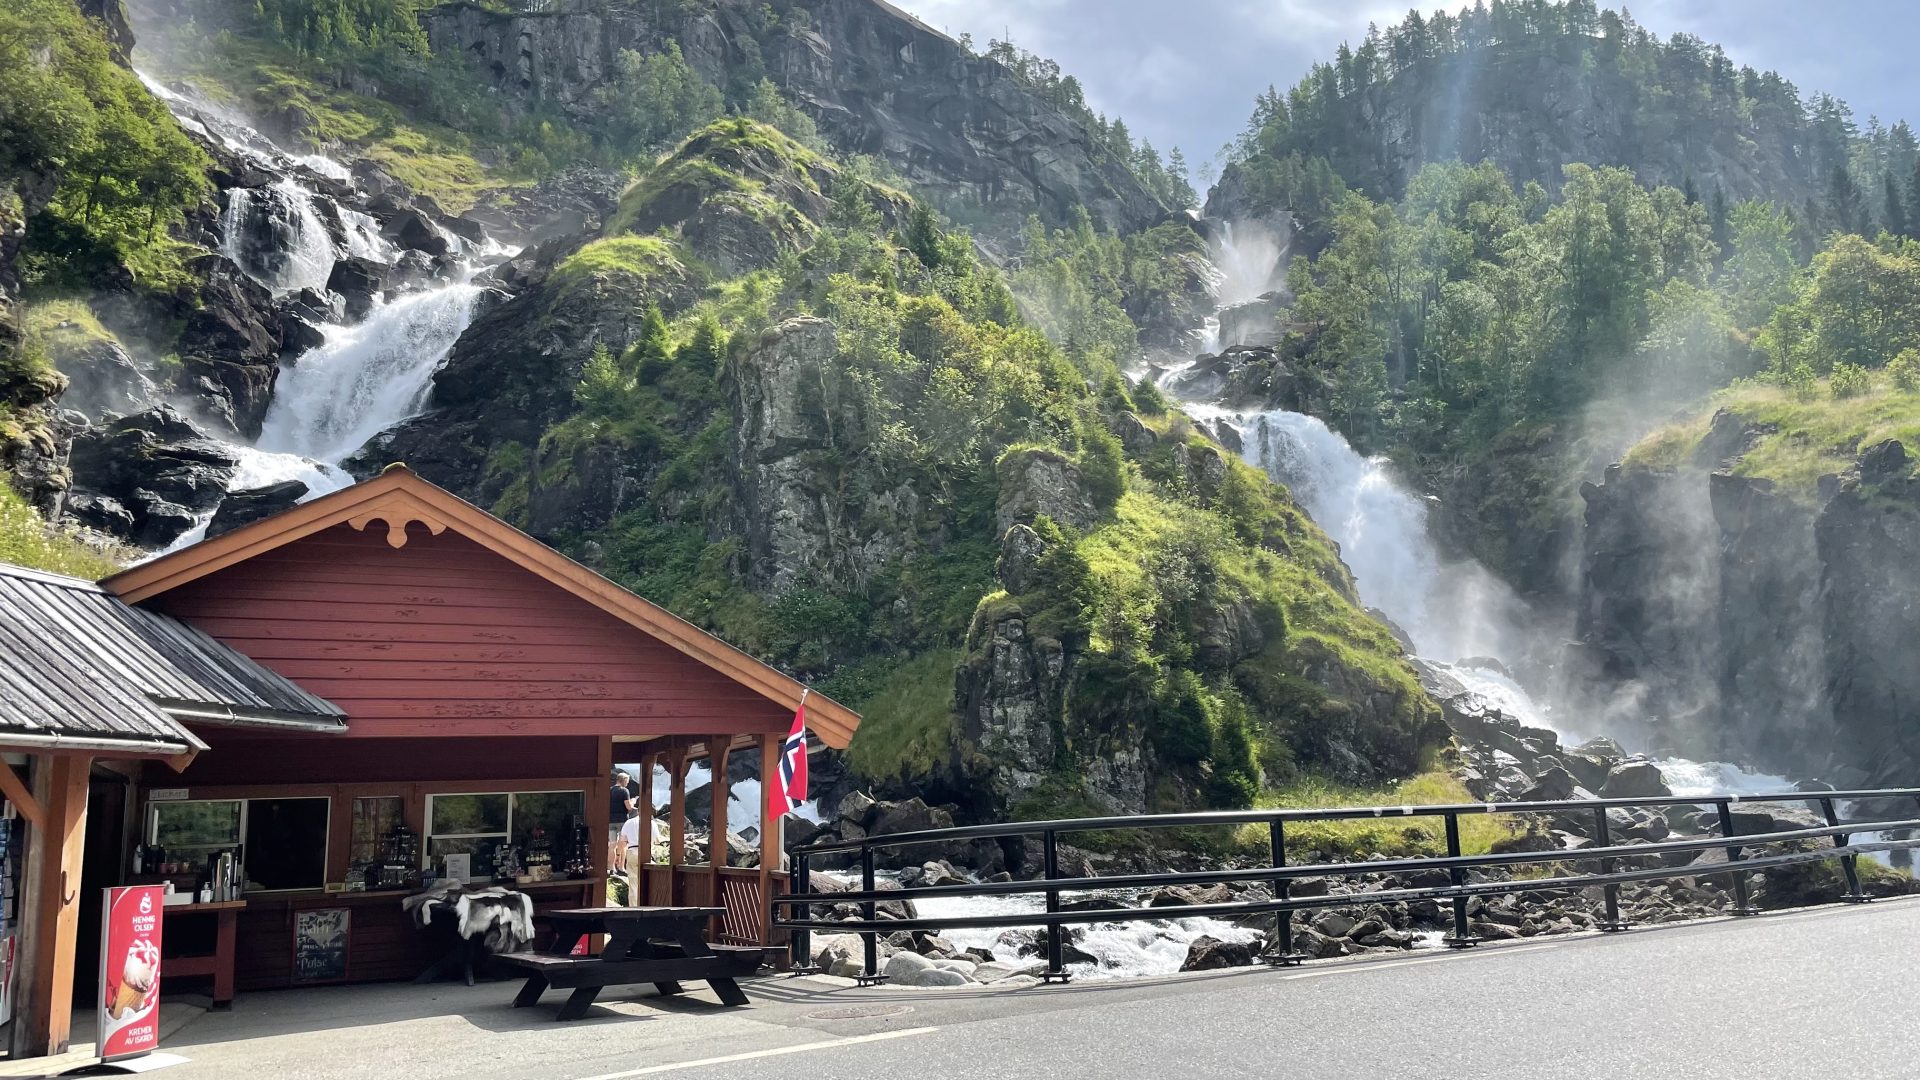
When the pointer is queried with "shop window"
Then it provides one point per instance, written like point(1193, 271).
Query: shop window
point(374, 819)
point(190, 831)
point(283, 842)
point(481, 825)
point(286, 844)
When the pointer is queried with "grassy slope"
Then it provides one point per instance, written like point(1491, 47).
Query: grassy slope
point(27, 540)
point(259, 79)
point(1816, 434)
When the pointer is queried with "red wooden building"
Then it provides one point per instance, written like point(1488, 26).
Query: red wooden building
point(489, 685)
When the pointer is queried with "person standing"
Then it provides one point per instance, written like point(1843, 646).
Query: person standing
point(619, 808)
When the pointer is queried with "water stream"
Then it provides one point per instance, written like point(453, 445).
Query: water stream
point(365, 376)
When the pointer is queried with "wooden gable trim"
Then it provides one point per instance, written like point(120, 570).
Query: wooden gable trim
point(398, 498)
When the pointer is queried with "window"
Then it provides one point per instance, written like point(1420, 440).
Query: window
point(286, 844)
point(190, 831)
point(479, 824)
point(283, 841)
point(374, 819)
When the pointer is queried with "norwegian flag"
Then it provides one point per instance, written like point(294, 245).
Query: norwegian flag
point(789, 788)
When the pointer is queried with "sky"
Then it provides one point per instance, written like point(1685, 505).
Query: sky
point(1185, 72)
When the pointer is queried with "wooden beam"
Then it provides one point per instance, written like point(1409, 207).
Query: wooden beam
point(771, 824)
point(50, 920)
point(676, 823)
point(600, 818)
point(717, 846)
point(17, 794)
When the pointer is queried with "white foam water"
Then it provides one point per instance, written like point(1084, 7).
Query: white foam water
point(367, 377)
point(276, 236)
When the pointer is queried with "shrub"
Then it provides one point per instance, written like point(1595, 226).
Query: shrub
point(1850, 381)
point(1904, 370)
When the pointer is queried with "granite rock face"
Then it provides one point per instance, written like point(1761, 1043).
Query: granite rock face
point(1744, 622)
point(958, 127)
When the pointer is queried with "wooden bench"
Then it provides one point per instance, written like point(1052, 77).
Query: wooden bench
point(662, 946)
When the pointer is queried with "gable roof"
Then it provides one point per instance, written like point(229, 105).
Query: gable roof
point(398, 498)
point(81, 668)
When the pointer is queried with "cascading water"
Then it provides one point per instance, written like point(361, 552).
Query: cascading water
point(363, 378)
point(276, 236)
point(367, 377)
point(1450, 609)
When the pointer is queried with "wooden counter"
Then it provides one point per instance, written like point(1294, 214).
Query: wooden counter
point(382, 941)
point(218, 964)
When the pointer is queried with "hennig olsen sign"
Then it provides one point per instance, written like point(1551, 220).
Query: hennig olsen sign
point(130, 971)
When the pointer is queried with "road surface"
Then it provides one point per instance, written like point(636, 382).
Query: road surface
point(1824, 992)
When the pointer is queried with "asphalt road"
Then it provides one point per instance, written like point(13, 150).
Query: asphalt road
point(1824, 992)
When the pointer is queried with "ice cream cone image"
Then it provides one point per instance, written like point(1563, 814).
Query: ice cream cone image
point(136, 979)
point(126, 999)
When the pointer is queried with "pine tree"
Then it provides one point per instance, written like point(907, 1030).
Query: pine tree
point(707, 348)
point(1846, 207)
point(1896, 208)
point(1722, 233)
point(1913, 203)
point(923, 236)
point(652, 355)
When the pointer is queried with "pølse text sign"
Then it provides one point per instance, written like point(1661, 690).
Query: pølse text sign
point(130, 971)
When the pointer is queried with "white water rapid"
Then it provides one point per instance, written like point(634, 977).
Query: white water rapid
point(276, 236)
point(367, 377)
point(363, 378)
point(1451, 610)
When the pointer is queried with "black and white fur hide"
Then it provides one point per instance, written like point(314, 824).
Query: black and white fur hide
point(501, 917)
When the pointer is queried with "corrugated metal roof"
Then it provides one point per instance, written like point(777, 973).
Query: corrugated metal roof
point(76, 661)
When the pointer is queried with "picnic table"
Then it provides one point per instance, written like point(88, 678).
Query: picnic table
point(664, 946)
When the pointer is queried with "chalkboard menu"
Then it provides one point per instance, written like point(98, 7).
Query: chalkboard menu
point(320, 937)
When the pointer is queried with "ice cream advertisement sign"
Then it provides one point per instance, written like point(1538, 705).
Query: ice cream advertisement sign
point(130, 972)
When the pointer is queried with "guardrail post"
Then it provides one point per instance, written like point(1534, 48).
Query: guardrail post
point(802, 942)
point(1461, 938)
point(1849, 864)
point(1741, 904)
point(1281, 953)
point(1603, 836)
point(871, 975)
point(1050, 866)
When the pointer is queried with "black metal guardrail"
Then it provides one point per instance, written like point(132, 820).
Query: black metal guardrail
point(1051, 885)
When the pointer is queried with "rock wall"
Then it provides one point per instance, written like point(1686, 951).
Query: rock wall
point(1738, 620)
point(958, 127)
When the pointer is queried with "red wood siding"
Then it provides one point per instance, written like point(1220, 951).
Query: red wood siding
point(327, 759)
point(443, 637)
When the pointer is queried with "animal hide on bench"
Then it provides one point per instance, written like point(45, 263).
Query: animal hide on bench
point(502, 918)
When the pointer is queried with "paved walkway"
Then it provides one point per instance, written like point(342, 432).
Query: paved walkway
point(1829, 991)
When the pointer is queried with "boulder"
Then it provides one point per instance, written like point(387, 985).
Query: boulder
point(358, 282)
point(1037, 482)
point(1634, 780)
point(1187, 895)
point(160, 468)
point(1334, 924)
point(254, 504)
point(1207, 953)
point(411, 229)
point(1555, 784)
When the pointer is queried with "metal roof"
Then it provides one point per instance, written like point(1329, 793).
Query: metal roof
point(77, 663)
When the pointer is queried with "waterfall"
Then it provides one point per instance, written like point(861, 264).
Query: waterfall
point(367, 377)
point(276, 236)
point(1451, 609)
point(363, 378)
point(1252, 259)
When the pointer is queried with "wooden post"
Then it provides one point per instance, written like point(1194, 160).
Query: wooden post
point(638, 861)
point(772, 842)
point(50, 921)
point(717, 848)
point(600, 822)
point(676, 822)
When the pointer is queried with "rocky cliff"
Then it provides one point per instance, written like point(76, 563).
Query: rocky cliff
point(960, 128)
point(1749, 617)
